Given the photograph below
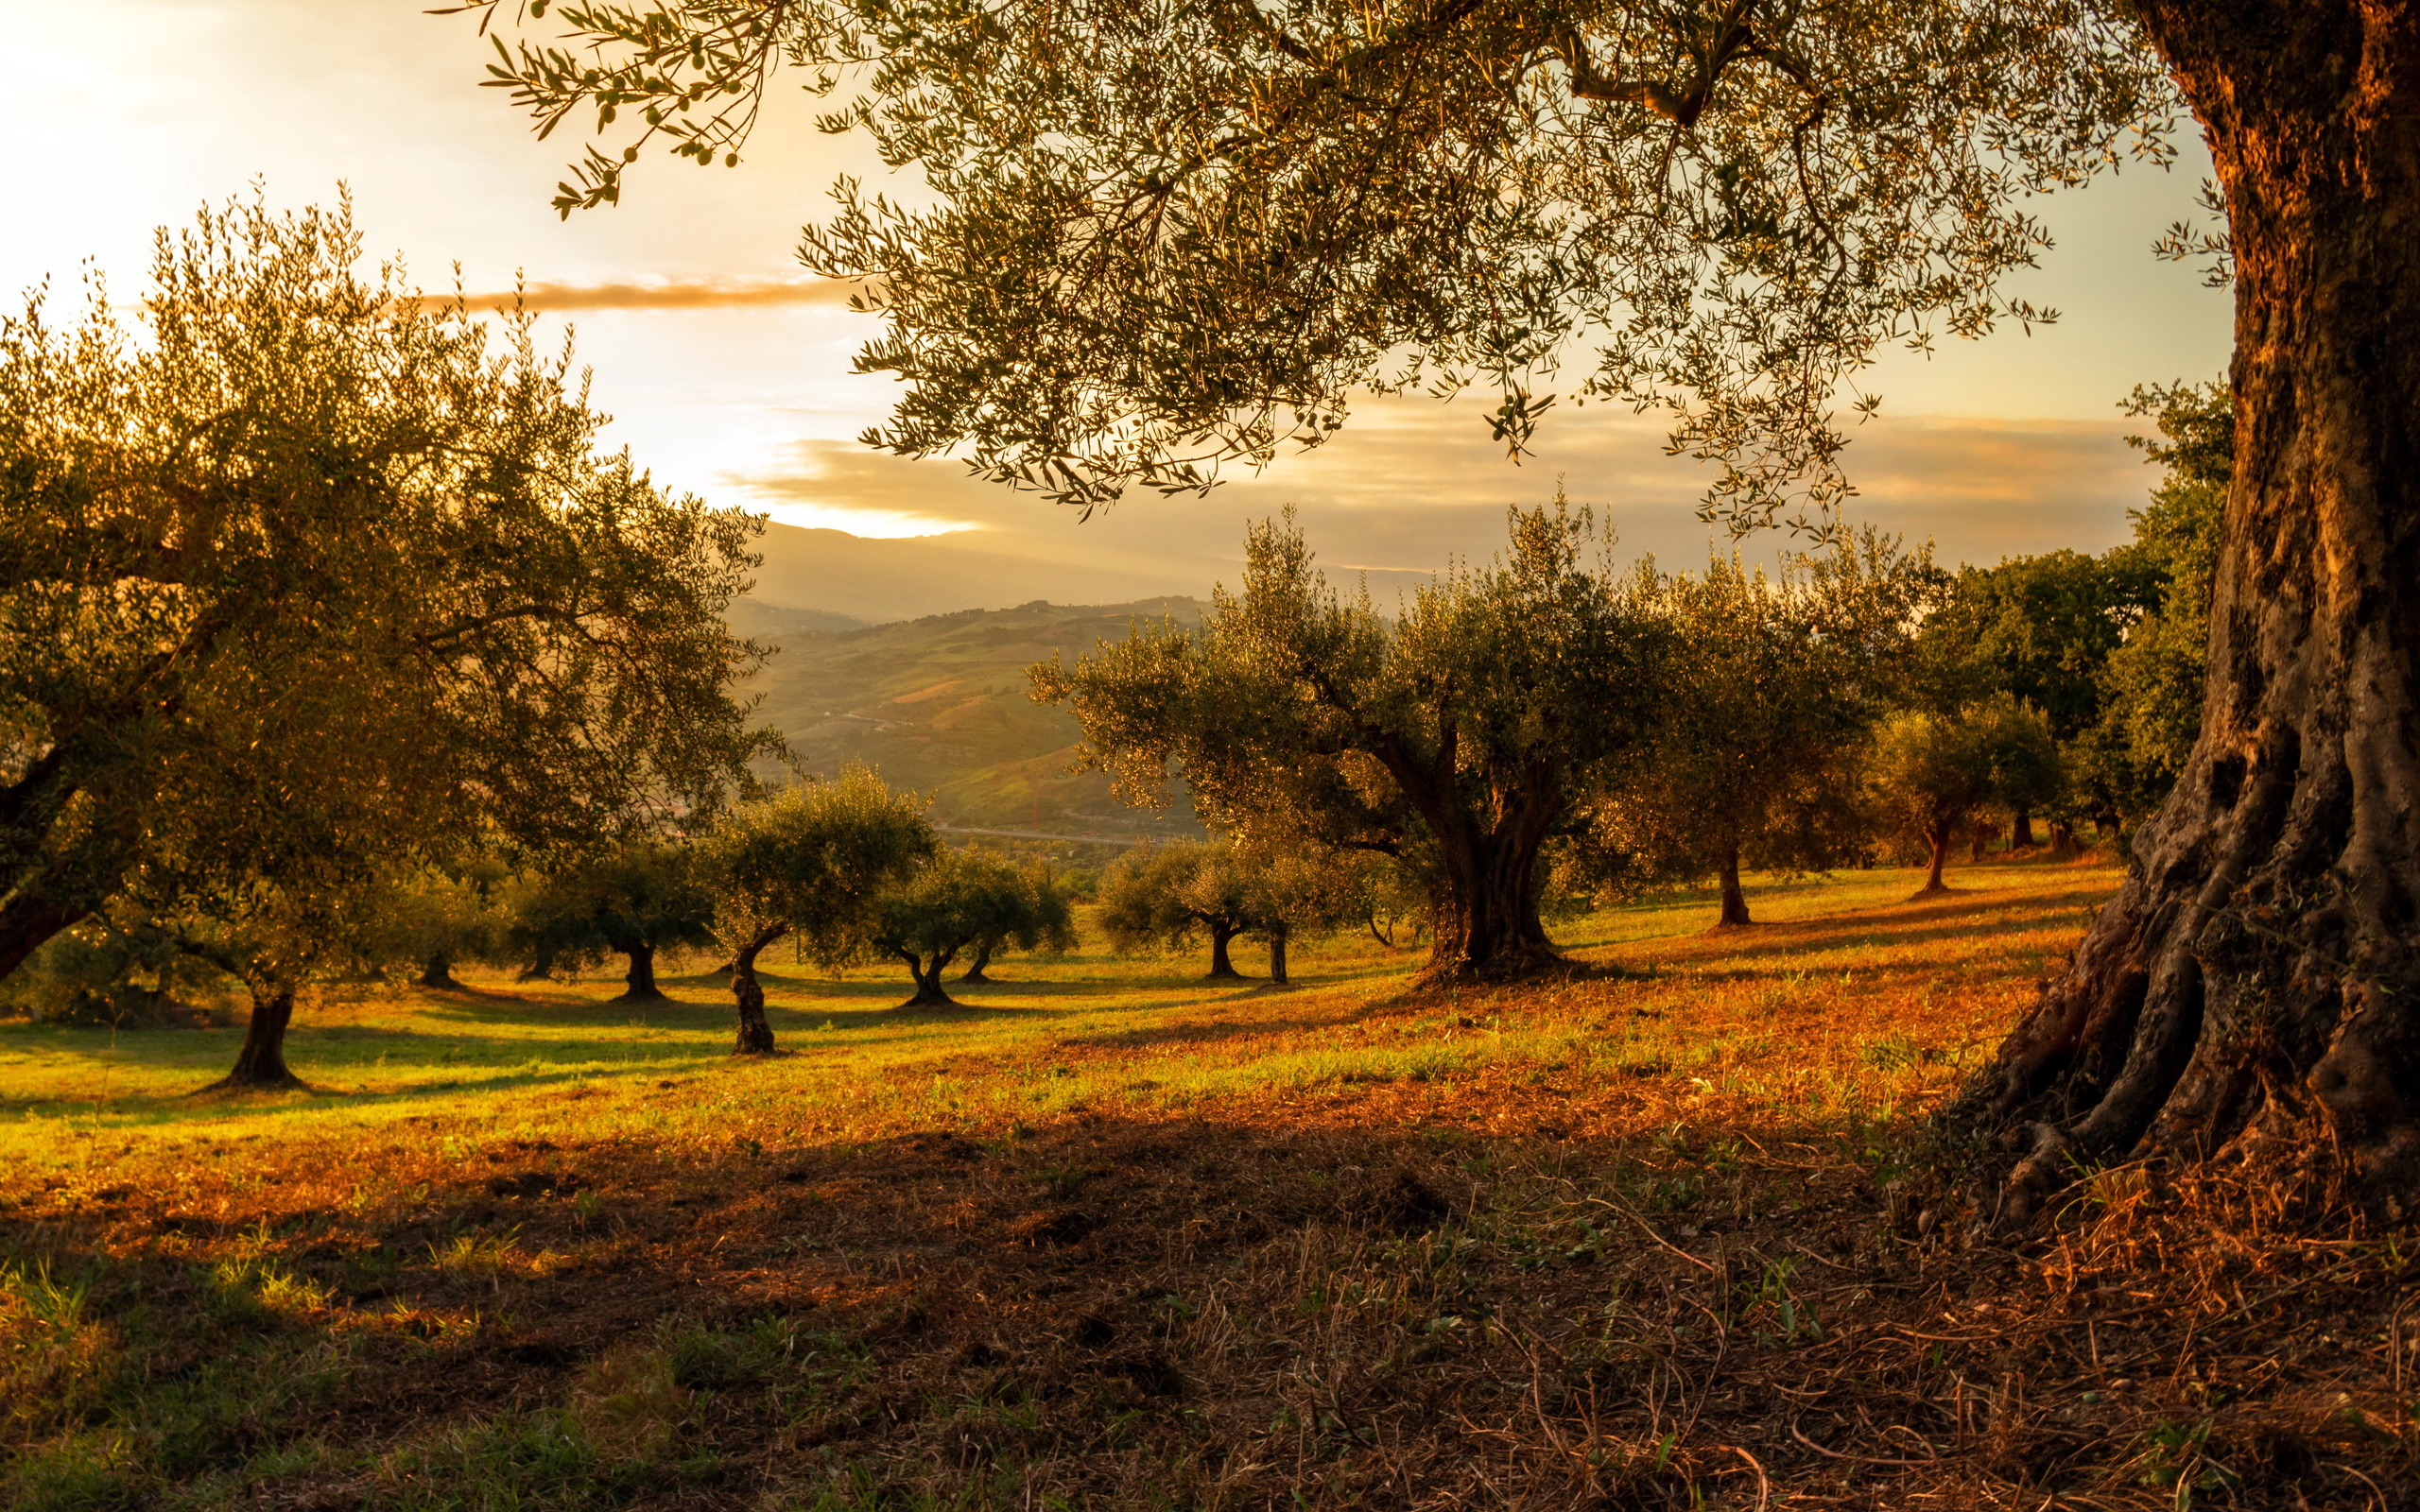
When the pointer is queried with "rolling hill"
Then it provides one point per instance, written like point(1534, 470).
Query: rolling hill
point(939, 704)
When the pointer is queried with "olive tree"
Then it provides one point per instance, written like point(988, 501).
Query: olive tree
point(1157, 237)
point(1293, 893)
point(1158, 896)
point(1460, 730)
point(963, 900)
point(806, 864)
point(279, 541)
point(1775, 685)
point(634, 899)
point(1934, 772)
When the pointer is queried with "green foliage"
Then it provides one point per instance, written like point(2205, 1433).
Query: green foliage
point(117, 973)
point(1158, 897)
point(1454, 736)
point(1932, 772)
point(809, 862)
point(1773, 687)
point(964, 900)
point(299, 574)
point(2041, 628)
point(641, 894)
point(1160, 237)
point(2153, 684)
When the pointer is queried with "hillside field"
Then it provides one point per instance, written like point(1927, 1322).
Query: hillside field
point(939, 705)
point(1652, 1236)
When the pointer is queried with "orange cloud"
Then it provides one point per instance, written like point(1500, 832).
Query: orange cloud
point(691, 296)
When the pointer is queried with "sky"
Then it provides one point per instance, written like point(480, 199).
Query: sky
point(728, 372)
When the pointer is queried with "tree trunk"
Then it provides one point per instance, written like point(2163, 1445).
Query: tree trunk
point(1221, 968)
point(930, 991)
point(1277, 961)
point(2255, 986)
point(262, 1061)
point(541, 970)
point(2020, 834)
point(640, 980)
point(1978, 840)
point(1937, 839)
point(1486, 924)
point(1735, 902)
point(975, 972)
point(755, 1034)
point(438, 975)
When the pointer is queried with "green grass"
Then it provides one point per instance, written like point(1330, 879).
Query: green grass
point(1087, 1031)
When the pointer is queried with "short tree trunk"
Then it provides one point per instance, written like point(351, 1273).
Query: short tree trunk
point(2020, 834)
point(438, 975)
point(1979, 841)
point(262, 1060)
point(755, 1034)
point(1277, 961)
point(927, 972)
point(639, 982)
point(2255, 986)
point(541, 970)
point(1735, 902)
point(1485, 920)
point(1221, 968)
point(982, 959)
point(1937, 841)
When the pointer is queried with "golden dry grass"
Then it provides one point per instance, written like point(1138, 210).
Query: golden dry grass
point(1649, 1236)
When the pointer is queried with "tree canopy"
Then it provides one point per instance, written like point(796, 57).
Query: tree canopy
point(806, 864)
point(1458, 732)
point(1772, 687)
point(301, 552)
point(963, 900)
point(1160, 237)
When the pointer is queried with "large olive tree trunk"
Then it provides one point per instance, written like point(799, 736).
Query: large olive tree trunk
point(2257, 981)
point(1222, 966)
point(1485, 912)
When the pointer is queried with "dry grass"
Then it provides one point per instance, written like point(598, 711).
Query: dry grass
point(1642, 1238)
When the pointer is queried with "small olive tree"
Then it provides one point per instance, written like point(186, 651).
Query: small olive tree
point(806, 864)
point(962, 901)
point(1294, 893)
point(1932, 772)
point(1775, 684)
point(1160, 896)
point(634, 899)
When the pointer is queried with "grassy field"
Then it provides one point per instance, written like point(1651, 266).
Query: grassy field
point(1654, 1234)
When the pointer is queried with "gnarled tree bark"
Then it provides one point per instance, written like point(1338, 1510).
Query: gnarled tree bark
point(2256, 983)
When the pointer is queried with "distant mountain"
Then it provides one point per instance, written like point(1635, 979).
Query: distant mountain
point(875, 581)
point(939, 704)
point(756, 620)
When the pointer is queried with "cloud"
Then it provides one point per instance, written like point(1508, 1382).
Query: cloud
point(695, 295)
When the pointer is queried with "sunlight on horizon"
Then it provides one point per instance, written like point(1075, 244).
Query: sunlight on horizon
point(872, 525)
